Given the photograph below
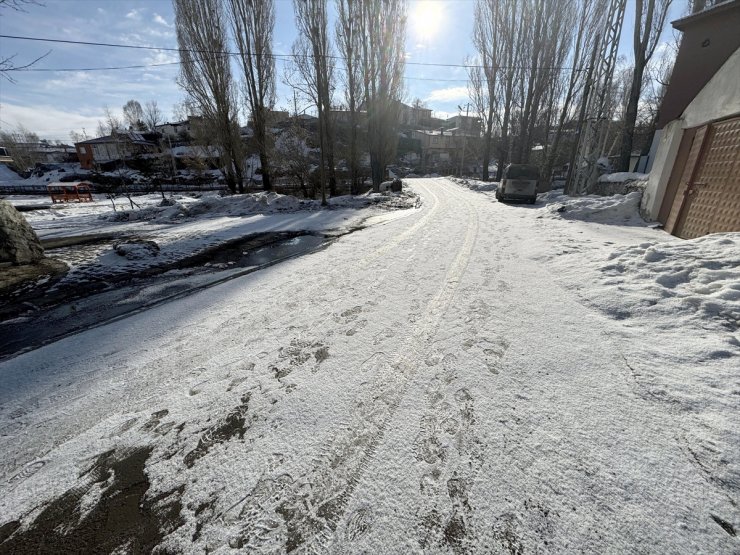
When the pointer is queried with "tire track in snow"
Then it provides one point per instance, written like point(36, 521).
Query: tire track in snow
point(312, 506)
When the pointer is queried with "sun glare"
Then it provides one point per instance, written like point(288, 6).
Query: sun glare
point(426, 19)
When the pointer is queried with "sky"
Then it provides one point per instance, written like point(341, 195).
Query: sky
point(53, 103)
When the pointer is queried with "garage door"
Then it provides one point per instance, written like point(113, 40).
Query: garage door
point(710, 202)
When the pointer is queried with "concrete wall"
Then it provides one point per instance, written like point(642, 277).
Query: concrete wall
point(717, 100)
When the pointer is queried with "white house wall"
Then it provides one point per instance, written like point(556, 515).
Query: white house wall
point(717, 100)
point(665, 157)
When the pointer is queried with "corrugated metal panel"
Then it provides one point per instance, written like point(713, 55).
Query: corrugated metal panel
point(714, 192)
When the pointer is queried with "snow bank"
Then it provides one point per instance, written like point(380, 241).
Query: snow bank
point(6, 174)
point(475, 184)
point(236, 205)
point(257, 203)
point(623, 177)
point(697, 280)
point(617, 209)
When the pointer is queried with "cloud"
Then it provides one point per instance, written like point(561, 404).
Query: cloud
point(449, 94)
point(161, 20)
point(48, 121)
point(133, 14)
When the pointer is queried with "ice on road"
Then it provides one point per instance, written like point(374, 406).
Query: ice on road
point(437, 383)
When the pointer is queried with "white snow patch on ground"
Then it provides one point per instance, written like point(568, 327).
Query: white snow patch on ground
point(616, 209)
point(476, 184)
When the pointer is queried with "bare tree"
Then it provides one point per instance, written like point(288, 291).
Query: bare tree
point(205, 75)
point(312, 63)
point(349, 42)
point(293, 155)
point(7, 62)
point(483, 75)
point(383, 28)
point(152, 115)
point(650, 17)
point(133, 115)
point(21, 144)
point(586, 14)
point(252, 23)
point(110, 123)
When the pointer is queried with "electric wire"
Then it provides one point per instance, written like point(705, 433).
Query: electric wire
point(275, 56)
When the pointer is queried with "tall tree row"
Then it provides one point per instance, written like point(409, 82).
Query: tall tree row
point(252, 23)
point(519, 83)
point(383, 28)
point(528, 78)
point(312, 65)
point(205, 75)
point(370, 37)
point(349, 44)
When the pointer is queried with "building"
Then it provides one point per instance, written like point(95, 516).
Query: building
point(694, 183)
point(175, 129)
point(96, 153)
point(414, 116)
point(464, 125)
point(439, 148)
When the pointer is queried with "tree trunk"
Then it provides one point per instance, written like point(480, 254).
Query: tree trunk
point(630, 118)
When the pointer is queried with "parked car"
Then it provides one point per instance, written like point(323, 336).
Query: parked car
point(519, 182)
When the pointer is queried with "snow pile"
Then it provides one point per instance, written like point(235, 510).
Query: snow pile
point(617, 209)
point(6, 174)
point(475, 184)
point(47, 177)
point(236, 205)
point(258, 203)
point(697, 280)
point(623, 177)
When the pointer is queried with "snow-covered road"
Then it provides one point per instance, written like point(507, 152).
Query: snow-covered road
point(432, 384)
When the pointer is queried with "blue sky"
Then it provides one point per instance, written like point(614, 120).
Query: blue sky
point(53, 103)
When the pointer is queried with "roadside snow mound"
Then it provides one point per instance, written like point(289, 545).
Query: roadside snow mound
point(475, 184)
point(623, 177)
point(616, 209)
point(180, 208)
point(236, 205)
point(695, 280)
point(6, 174)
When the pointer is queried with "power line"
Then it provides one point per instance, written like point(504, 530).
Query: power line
point(51, 69)
point(275, 56)
point(143, 66)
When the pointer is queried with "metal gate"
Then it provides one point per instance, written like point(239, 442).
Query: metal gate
point(708, 195)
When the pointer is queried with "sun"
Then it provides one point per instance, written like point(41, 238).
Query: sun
point(426, 17)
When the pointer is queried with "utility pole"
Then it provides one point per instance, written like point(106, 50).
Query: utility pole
point(465, 139)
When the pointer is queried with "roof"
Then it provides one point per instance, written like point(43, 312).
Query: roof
point(131, 136)
point(173, 123)
point(709, 38)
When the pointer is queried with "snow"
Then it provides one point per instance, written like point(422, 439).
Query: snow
point(615, 209)
point(623, 177)
point(473, 376)
point(6, 174)
point(476, 184)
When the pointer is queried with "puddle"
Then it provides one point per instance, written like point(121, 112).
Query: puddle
point(243, 254)
point(51, 313)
